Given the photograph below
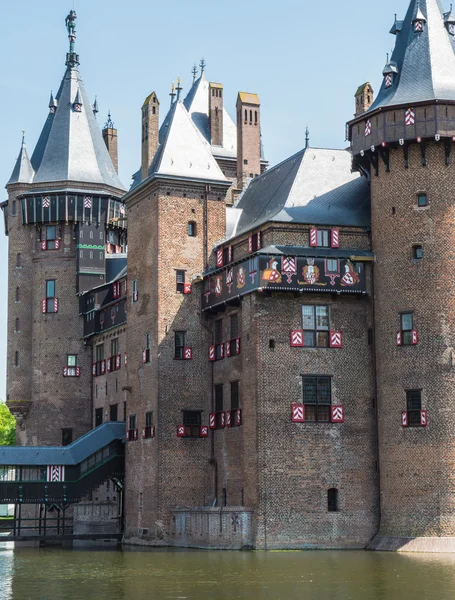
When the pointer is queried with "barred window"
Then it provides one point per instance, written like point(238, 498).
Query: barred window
point(50, 296)
point(414, 406)
point(316, 326)
point(407, 326)
point(179, 344)
point(51, 237)
point(180, 281)
point(235, 404)
point(234, 326)
point(192, 422)
point(323, 238)
point(317, 398)
point(71, 363)
point(332, 500)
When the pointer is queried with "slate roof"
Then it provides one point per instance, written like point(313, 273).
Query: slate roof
point(23, 171)
point(71, 146)
point(315, 186)
point(425, 61)
point(73, 454)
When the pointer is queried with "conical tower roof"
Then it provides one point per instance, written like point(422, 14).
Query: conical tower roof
point(71, 147)
point(23, 171)
point(425, 60)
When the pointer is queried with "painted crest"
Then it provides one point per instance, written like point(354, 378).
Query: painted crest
point(241, 276)
point(367, 128)
point(350, 276)
point(289, 267)
point(272, 273)
point(229, 279)
point(310, 272)
point(218, 285)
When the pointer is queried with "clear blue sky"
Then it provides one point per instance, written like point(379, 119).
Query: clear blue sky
point(304, 59)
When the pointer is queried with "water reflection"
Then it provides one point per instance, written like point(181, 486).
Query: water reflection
point(28, 574)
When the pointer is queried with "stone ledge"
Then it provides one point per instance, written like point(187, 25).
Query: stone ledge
point(410, 544)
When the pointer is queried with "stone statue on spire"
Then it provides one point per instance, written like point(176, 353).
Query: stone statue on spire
point(72, 58)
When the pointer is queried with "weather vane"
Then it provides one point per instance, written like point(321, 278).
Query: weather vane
point(194, 71)
point(202, 64)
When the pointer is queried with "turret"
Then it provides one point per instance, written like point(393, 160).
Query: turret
point(364, 97)
point(150, 131)
point(403, 143)
point(248, 138)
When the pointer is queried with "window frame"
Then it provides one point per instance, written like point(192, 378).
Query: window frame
point(321, 235)
point(51, 295)
point(314, 340)
point(71, 368)
point(415, 251)
point(179, 352)
point(192, 229)
point(192, 420)
point(321, 414)
point(419, 196)
point(332, 500)
point(51, 241)
point(180, 277)
point(414, 413)
point(406, 334)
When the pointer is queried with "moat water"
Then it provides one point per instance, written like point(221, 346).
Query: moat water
point(54, 574)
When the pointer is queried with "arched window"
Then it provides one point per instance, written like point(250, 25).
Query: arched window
point(246, 115)
point(101, 256)
point(18, 294)
point(18, 260)
point(192, 229)
point(81, 234)
point(223, 497)
point(91, 235)
point(255, 117)
point(16, 359)
point(101, 235)
point(251, 116)
point(91, 253)
point(81, 254)
point(332, 500)
point(18, 325)
point(154, 110)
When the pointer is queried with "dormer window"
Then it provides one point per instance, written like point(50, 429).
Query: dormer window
point(78, 102)
point(388, 80)
point(419, 20)
point(449, 21)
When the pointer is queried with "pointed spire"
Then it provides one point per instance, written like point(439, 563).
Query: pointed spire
point(172, 94)
point(194, 72)
point(178, 88)
point(52, 104)
point(307, 138)
point(202, 64)
point(72, 59)
point(23, 171)
point(95, 106)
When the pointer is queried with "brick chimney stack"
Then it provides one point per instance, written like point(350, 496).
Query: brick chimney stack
point(216, 113)
point(150, 132)
point(248, 138)
point(110, 139)
point(364, 98)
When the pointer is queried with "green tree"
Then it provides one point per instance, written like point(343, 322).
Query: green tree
point(7, 426)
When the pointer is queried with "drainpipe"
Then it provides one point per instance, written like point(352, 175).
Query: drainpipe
point(376, 393)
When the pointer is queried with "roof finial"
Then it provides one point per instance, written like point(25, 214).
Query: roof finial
point(72, 59)
point(178, 88)
point(172, 94)
point(95, 106)
point(23, 138)
point(109, 123)
point(307, 138)
point(202, 64)
point(194, 72)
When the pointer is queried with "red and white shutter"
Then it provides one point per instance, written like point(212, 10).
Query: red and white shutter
point(298, 413)
point(415, 338)
point(44, 245)
point(297, 338)
point(337, 414)
point(144, 356)
point(187, 353)
point(118, 361)
point(109, 360)
point(143, 432)
point(78, 371)
point(187, 288)
point(125, 359)
point(238, 417)
point(203, 431)
point(230, 254)
point(404, 419)
point(57, 244)
point(65, 371)
point(228, 418)
point(152, 431)
point(237, 345)
point(94, 369)
point(313, 236)
point(103, 367)
point(423, 418)
point(399, 338)
point(181, 431)
point(219, 257)
point(222, 419)
point(335, 237)
point(136, 434)
point(228, 349)
point(212, 421)
point(55, 474)
point(56, 305)
point(128, 436)
point(221, 350)
point(259, 239)
point(336, 339)
point(250, 244)
point(44, 305)
point(212, 353)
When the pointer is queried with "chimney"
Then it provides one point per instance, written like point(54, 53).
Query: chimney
point(216, 113)
point(364, 98)
point(150, 132)
point(110, 139)
point(248, 138)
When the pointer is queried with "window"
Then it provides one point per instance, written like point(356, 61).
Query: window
point(147, 347)
point(234, 326)
point(18, 260)
point(14, 209)
point(99, 359)
point(317, 398)
point(115, 363)
point(333, 265)
point(192, 423)
point(332, 500)
point(17, 327)
point(235, 395)
point(131, 426)
point(414, 406)
point(113, 412)
point(407, 326)
point(323, 238)
point(148, 433)
point(422, 200)
point(219, 414)
point(18, 294)
point(245, 161)
point(417, 252)
point(223, 497)
point(179, 345)
point(98, 417)
point(135, 296)
point(71, 365)
point(51, 303)
point(67, 436)
point(219, 348)
point(315, 321)
point(16, 359)
point(51, 237)
point(180, 281)
point(192, 229)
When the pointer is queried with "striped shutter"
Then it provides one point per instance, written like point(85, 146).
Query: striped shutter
point(56, 305)
point(335, 234)
point(404, 419)
point(212, 353)
point(44, 304)
point(313, 236)
point(259, 239)
point(219, 257)
point(57, 244)
point(297, 338)
point(229, 253)
point(187, 288)
point(250, 244)
point(399, 339)
point(78, 371)
point(181, 431)
point(238, 417)
point(94, 369)
point(188, 353)
point(228, 349)
point(118, 361)
point(337, 414)
point(415, 338)
point(423, 418)
point(298, 413)
point(336, 339)
point(43, 245)
point(212, 421)
point(228, 418)
point(203, 431)
point(237, 345)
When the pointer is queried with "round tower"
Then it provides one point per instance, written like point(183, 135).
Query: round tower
point(63, 217)
point(405, 144)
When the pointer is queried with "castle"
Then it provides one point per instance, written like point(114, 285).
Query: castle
point(278, 340)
